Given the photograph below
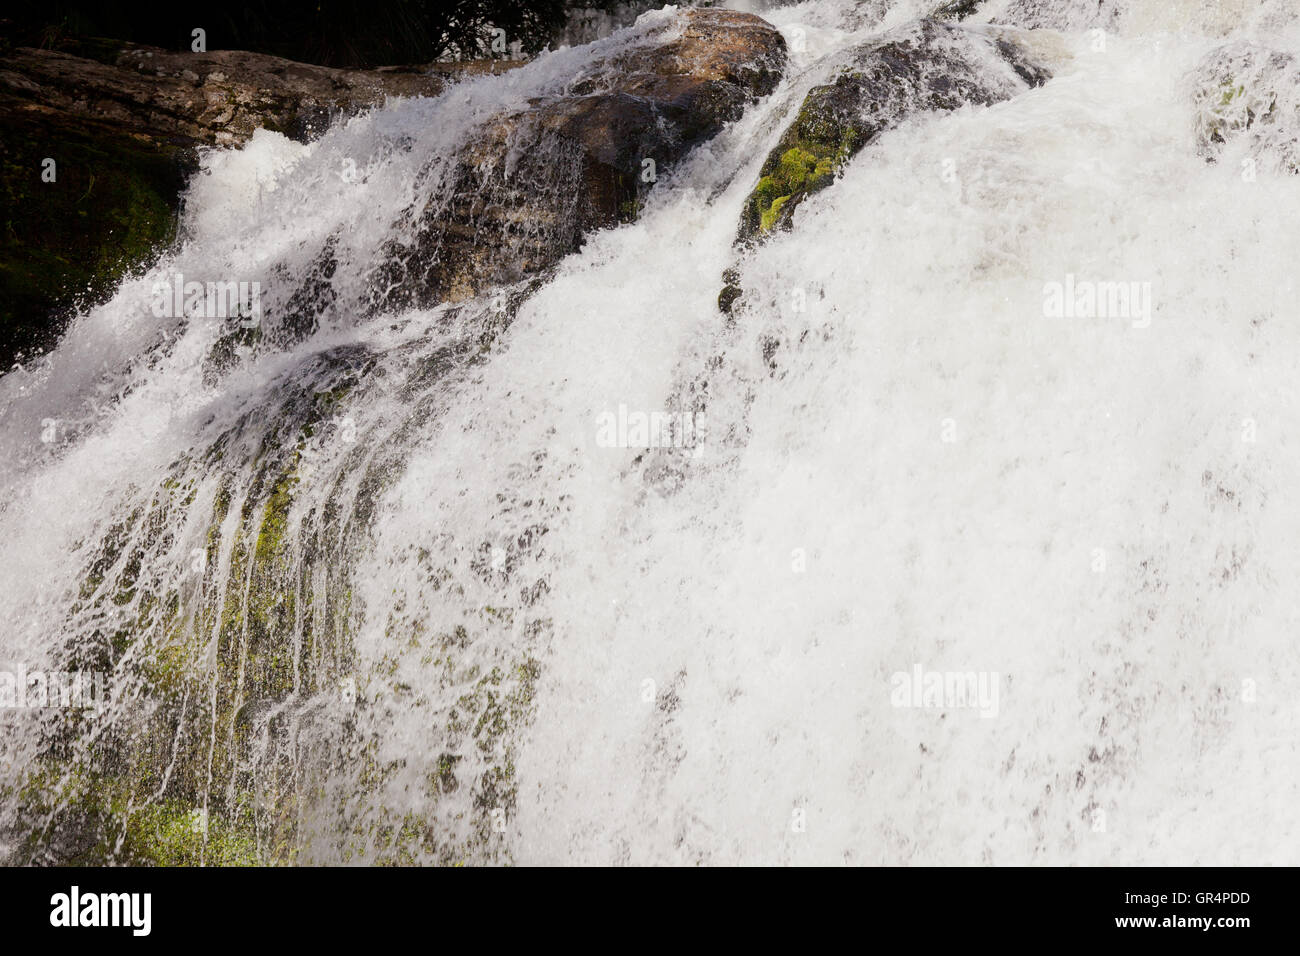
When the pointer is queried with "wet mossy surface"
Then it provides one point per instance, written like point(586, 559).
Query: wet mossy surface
point(928, 67)
point(242, 698)
point(111, 208)
point(789, 177)
point(186, 765)
point(1242, 94)
point(887, 81)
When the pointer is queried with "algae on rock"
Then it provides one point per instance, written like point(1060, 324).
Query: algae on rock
point(926, 66)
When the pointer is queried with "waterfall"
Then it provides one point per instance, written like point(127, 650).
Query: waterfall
point(391, 577)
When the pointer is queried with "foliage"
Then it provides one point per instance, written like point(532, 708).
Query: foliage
point(344, 33)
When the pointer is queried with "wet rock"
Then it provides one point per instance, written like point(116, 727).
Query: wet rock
point(527, 191)
point(731, 290)
point(929, 66)
point(1245, 95)
point(107, 201)
point(520, 197)
point(1036, 15)
point(162, 98)
point(955, 10)
point(926, 66)
point(121, 123)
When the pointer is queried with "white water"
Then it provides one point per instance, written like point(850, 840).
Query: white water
point(933, 474)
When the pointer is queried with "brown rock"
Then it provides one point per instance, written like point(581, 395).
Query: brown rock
point(522, 194)
point(218, 98)
point(121, 122)
point(526, 192)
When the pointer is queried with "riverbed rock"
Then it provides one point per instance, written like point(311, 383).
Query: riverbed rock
point(123, 122)
point(955, 10)
point(535, 182)
point(1245, 94)
point(100, 137)
point(926, 66)
point(218, 98)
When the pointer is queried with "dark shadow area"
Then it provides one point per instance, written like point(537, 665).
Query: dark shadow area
point(342, 33)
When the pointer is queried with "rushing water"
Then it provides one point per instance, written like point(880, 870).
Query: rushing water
point(370, 586)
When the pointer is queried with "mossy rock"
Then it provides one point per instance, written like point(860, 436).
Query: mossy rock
point(1246, 93)
point(175, 834)
point(208, 662)
point(65, 244)
point(955, 9)
point(929, 66)
point(205, 764)
point(815, 146)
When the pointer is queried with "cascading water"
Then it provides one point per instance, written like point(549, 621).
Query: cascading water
point(369, 585)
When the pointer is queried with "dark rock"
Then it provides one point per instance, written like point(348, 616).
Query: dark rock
point(955, 10)
point(731, 290)
point(928, 66)
point(521, 195)
point(526, 192)
point(164, 98)
point(112, 201)
point(121, 123)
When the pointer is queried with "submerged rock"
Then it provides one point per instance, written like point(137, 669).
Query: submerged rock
point(930, 66)
point(1245, 95)
point(955, 10)
point(927, 66)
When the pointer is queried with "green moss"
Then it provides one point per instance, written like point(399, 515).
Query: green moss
point(103, 825)
point(794, 168)
point(805, 161)
point(1230, 93)
point(175, 834)
point(185, 745)
point(1235, 109)
point(275, 518)
point(770, 214)
point(210, 658)
point(766, 191)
